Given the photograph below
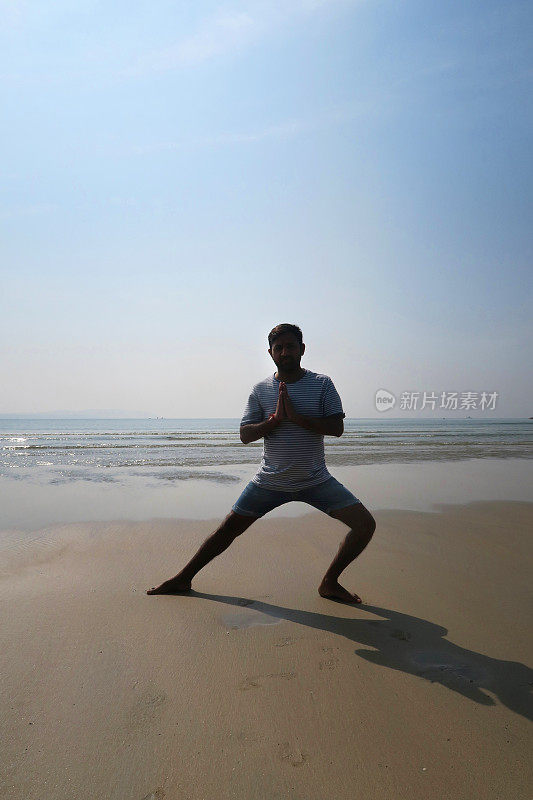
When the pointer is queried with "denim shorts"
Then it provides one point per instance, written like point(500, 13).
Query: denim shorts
point(330, 495)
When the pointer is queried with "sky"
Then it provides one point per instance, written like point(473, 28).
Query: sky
point(177, 178)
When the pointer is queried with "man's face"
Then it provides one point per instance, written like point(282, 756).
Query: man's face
point(286, 352)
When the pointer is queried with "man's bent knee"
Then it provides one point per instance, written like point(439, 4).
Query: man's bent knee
point(356, 516)
point(368, 526)
point(235, 524)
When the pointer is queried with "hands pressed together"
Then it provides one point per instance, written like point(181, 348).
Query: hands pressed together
point(284, 407)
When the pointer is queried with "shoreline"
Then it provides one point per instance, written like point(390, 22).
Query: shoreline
point(30, 506)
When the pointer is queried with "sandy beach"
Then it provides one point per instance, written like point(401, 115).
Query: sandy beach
point(255, 687)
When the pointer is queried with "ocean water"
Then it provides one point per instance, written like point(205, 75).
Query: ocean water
point(61, 451)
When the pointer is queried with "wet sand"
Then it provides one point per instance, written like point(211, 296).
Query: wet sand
point(419, 486)
point(253, 686)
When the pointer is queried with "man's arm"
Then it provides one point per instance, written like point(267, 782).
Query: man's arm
point(256, 430)
point(331, 425)
point(328, 426)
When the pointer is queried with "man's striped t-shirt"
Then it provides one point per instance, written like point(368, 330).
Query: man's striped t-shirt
point(293, 457)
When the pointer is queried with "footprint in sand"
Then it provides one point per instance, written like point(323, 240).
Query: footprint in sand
point(144, 709)
point(254, 682)
point(293, 754)
point(159, 794)
point(330, 663)
point(249, 683)
point(287, 640)
point(248, 737)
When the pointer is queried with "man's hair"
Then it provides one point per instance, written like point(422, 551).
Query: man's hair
point(285, 327)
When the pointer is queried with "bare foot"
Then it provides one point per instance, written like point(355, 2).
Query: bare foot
point(335, 591)
point(172, 586)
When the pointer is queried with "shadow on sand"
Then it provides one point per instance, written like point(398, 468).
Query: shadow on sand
point(412, 645)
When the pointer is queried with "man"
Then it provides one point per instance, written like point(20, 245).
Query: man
point(292, 410)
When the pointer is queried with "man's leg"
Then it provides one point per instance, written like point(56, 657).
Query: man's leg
point(362, 526)
point(220, 540)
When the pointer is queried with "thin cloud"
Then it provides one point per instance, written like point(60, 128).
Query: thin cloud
point(285, 130)
point(223, 33)
point(29, 210)
point(282, 131)
point(218, 35)
point(227, 32)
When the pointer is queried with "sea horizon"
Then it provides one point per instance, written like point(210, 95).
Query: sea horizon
point(479, 416)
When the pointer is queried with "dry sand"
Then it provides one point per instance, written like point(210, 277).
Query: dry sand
point(255, 687)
